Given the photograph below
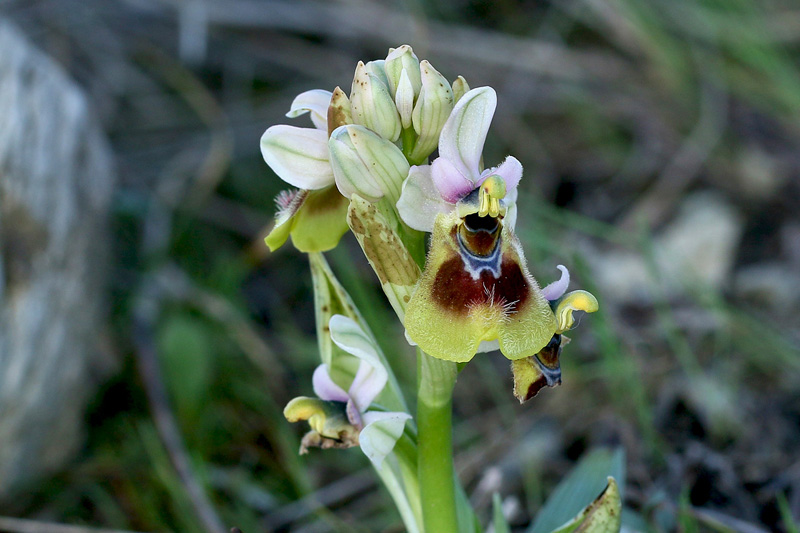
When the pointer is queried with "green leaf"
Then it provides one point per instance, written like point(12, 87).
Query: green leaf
point(500, 523)
point(603, 515)
point(580, 488)
point(186, 360)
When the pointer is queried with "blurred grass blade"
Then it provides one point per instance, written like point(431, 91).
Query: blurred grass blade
point(498, 520)
point(580, 488)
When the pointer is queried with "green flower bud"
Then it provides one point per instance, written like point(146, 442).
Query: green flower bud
point(404, 99)
point(433, 107)
point(376, 68)
point(372, 105)
point(460, 88)
point(366, 164)
point(399, 59)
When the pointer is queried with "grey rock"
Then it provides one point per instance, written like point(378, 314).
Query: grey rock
point(697, 247)
point(56, 180)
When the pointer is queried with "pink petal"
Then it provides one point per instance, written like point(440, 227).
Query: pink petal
point(325, 388)
point(450, 182)
point(510, 170)
point(556, 290)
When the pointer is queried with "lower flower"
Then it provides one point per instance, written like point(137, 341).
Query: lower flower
point(343, 419)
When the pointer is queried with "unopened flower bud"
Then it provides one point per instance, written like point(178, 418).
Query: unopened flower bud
point(404, 99)
point(399, 59)
point(376, 68)
point(366, 164)
point(372, 105)
point(460, 88)
point(434, 104)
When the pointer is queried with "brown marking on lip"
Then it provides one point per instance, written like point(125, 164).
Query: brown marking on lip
point(455, 291)
point(534, 388)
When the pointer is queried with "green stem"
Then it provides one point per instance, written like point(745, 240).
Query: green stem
point(434, 425)
point(409, 139)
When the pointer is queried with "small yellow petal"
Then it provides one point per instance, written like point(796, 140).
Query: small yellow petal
point(574, 301)
point(303, 408)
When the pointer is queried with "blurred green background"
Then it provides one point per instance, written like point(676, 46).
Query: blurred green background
point(661, 147)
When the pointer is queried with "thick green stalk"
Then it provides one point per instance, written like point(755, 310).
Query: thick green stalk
point(435, 430)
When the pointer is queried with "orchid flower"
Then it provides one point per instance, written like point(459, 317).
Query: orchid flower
point(343, 419)
point(451, 182)
point(314, 215)
point(476, 292)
